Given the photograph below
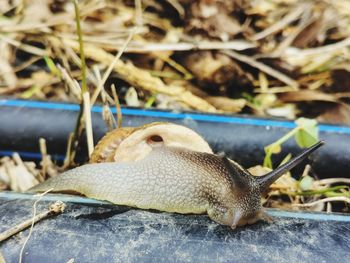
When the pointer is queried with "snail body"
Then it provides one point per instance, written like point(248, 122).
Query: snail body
point(175, 179)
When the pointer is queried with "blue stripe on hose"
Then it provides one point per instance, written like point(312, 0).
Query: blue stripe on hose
point(52, 198)
point(311, 216)
point(82, 200)
point(172, 115)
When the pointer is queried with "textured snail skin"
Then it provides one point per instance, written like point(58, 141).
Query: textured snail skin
point(169, 179)
point(176, 180)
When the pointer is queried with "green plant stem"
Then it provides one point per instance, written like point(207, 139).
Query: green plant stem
point(326, 192)
point(270, 148)
point(81, 47)
point(150, 101)
point(79, 125)
point(334, 194)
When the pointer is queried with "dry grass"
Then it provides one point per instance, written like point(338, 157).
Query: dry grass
point(299, 46)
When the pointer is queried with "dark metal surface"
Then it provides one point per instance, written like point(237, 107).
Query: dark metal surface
point(95, 232)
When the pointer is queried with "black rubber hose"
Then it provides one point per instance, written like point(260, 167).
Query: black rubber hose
point(23, 122)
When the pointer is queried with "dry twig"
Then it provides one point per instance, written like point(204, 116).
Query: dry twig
point(143, 79)
point(55, 208)
point(325, 200)
point(117, 106)
point(264, 68)
point(2, 259)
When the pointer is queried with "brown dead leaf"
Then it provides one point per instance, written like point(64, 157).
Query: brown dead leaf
point(143, 79)
point(259, 170)
point(309, 34)
point(17, 175)
point(31, 11)
point(337, 114)
point(213, 18)
point(212, 69)
point(7, 75)
point(341, 80)
point(5, 6)
point(286, 110)
point(307, 95)
point(4, 178)
point(227, 104)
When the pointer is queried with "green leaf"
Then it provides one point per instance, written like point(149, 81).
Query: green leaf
point(286, 159)
point(305, 123)
point(267, 160)
point(150, 101)
point(269, 150)
point(306, 183)
point(273, 148)
point(339, 190)
point(51, 65)
point(31, 92)
point(307, 134)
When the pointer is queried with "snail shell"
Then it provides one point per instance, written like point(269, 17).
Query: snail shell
point(135, 143)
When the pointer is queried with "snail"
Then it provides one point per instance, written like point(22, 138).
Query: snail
point(171, 168)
